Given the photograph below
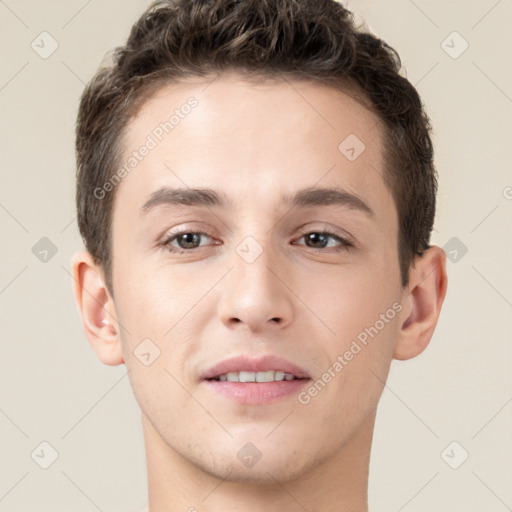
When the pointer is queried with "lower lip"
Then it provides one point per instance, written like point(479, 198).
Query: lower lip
point(257, 393)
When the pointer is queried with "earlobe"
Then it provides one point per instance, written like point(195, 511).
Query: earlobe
point(96, 308)
point(427, 285)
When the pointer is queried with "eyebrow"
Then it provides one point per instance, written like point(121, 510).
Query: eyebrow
point(311, 196)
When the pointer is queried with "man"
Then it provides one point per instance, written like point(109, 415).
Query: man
point(256, 192)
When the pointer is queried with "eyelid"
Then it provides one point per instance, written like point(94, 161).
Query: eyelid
point(186, 228)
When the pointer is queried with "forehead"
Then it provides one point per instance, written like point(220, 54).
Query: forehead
point(254, 141)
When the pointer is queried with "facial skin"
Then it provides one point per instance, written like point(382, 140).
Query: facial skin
point(256, 143)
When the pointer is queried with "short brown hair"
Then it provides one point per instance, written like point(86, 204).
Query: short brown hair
point(300, 39)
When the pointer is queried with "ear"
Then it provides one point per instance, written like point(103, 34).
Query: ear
point(422, 301)
point(96, 308)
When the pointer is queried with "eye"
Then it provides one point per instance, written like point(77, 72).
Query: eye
point(320, 240)
point(187, 241)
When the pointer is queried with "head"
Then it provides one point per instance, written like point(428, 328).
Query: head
point(259, 102)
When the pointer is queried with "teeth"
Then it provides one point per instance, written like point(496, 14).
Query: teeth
point(269, 376)
point(247, 377)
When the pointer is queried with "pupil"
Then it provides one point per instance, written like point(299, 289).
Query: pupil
point(189, 238)
point(314, 236)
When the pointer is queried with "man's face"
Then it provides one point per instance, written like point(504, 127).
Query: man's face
point(256, 277)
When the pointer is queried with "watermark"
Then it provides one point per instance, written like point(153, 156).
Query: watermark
point(44, 250)
point(249, 249)
point(455, 249)
point(454, 45)
point(151, 142)
point(351, 147)
point(304, 397)
point(455, 455)
point(44, 454)
point(44, 45)
point(248, 455)
point(146, 352)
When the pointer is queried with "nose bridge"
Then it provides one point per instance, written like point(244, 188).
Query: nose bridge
point(253, 293)
point(253, 261)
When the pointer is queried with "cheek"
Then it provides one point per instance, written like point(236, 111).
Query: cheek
point(161, 313)
point(155, 298)
point(364, 314)
point(349, 386)
point(350, 301)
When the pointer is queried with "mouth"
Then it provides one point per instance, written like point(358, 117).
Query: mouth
point(245, 376)
point(255, 381)
point(263, 369)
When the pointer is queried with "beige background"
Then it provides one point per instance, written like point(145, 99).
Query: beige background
point(54, 390)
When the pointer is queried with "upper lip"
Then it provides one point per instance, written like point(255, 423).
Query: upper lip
point(260, 364)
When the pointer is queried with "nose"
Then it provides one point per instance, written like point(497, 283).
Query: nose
point(255, 293)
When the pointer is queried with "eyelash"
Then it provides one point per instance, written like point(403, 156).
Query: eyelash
point(345, 243)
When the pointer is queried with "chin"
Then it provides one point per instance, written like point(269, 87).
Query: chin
point(267, 471)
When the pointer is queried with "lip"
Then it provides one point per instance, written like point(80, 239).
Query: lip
point(261, 364)
point(256, 393)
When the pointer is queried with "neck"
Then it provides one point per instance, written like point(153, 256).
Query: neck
point(338, 484)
